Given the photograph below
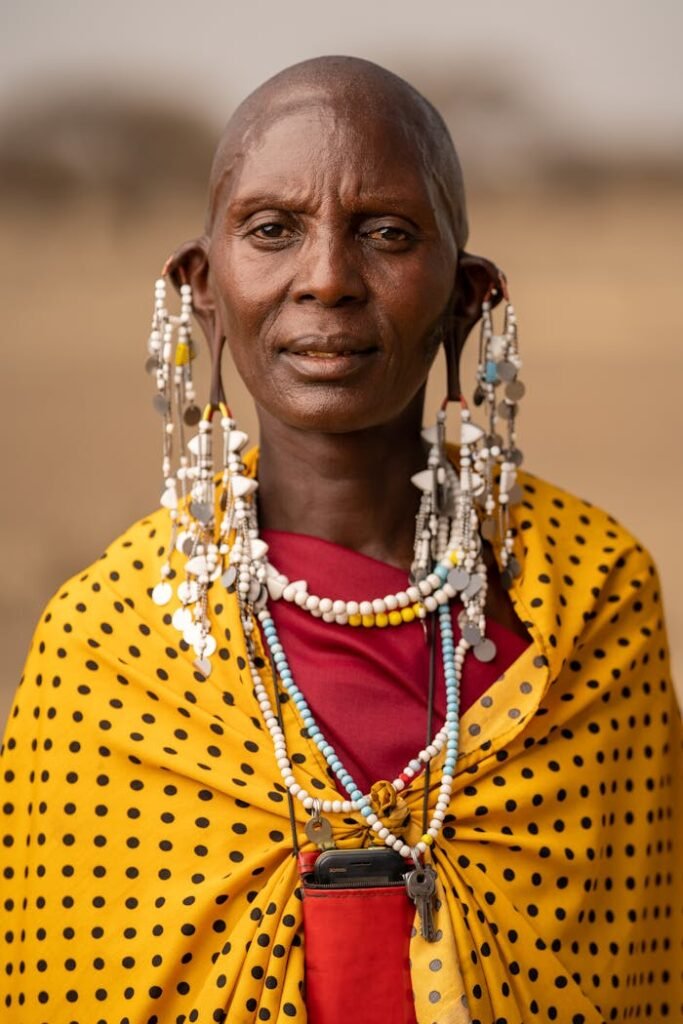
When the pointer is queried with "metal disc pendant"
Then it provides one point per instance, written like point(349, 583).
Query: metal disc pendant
point(203, 665)
point(162, 593)
point(515, 494)
point(485, 650)
point(472, 634)
point(493, 441)
point(182, 617)
point(202, 511)
point(514, 455)
point(318, 831)
point(229, 577)
point(254, 591)
point(479, 395)
point(514, 567)
point(206, 647)
point(192, 415)
point(506, 370)
point(150, 364)
point(474, 586)
point(161, 404)
point(458, 578)
point(507, 410)
point(514, 390)
point(489, 528)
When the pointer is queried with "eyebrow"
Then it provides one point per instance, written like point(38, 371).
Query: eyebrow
point(367, 203)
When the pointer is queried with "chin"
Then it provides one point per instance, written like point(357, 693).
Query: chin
point(330, 412)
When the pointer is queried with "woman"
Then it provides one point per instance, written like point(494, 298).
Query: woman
point(156, 786)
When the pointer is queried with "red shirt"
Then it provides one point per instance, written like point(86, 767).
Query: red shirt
point(367, 688)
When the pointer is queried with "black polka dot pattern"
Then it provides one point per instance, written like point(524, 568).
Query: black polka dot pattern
point(146, 864)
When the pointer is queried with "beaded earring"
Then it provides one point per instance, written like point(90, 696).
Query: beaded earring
point(450, 505)
point(498, 369)
point(209, 507)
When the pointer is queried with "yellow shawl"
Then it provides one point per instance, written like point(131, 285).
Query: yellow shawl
point(147, 873)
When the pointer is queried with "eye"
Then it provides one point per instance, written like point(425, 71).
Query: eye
point(389, 236)
point(272, 231)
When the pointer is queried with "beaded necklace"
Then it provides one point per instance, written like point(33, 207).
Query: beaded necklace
point(453, 658)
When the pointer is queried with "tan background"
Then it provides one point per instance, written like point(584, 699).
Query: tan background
point(100, 180)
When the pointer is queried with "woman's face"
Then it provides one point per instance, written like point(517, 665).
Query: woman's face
point(331, 263)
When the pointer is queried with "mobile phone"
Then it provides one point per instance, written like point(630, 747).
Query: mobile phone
point(374, 865)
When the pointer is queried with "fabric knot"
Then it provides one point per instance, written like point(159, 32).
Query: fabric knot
point(391, 808)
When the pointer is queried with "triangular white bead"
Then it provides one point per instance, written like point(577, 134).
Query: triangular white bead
point(424, 480)
point(275, 588)
point(237, 440)
point(242, 485)
point(470, 433)
point(259, 548)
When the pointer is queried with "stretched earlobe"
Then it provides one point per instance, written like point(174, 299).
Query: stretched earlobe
point(189, 264)
point(477, 280)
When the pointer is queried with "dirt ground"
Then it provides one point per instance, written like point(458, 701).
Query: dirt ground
point(595, 280)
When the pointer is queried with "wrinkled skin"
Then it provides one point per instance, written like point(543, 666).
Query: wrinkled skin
point(334, 265)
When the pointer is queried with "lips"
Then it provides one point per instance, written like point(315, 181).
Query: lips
point(328, 357)
point(326, 346)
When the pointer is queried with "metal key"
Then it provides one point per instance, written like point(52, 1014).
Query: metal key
point(421, 887)
point(319, 830)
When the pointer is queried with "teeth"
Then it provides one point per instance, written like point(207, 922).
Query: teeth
point(326, 355)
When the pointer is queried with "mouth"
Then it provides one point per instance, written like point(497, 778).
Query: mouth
point(331, 357)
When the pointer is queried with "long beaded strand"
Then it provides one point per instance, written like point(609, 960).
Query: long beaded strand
point(453, 658)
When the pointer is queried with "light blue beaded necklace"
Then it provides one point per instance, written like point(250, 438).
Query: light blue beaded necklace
point(452, 657)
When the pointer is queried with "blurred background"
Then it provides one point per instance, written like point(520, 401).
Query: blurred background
point(569, 122)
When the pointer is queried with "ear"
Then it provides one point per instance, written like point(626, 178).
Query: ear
point(477, 279)
point(189, 264)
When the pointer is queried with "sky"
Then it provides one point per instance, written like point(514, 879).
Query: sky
point(610, 69)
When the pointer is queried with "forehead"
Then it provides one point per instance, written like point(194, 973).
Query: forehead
point(359, 152)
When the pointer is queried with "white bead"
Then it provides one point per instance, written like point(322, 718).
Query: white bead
point(378, 606)
point(325, 605)
point(413, 594)
point(365, 608)
point(300, 598)
point(339, 607)
point(391, 602)
point(404, 851)
point(327, 806)
point(398, 845)
point(383, 833)
point(430, 603)
point(352, 608)
point(424, 588)
point(403, 600)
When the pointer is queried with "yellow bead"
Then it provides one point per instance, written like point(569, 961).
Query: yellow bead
point(429, 840)
point(420, 611)
point(407, 614)
point(368, 620)
point(355, 620)
point(381, 619)
point(454, 558)
point(395, 618)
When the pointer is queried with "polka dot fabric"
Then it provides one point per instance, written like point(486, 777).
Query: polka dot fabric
point(147, 868)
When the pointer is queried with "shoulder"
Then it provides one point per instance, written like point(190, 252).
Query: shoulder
point(88, 605)
point(553, 520)
point(581, 566)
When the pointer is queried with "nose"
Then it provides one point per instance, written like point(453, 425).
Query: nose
point(329, 271)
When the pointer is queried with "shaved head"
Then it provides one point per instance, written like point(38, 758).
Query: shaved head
point(358, 90)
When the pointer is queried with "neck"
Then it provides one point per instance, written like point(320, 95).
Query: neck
point(351, 489)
